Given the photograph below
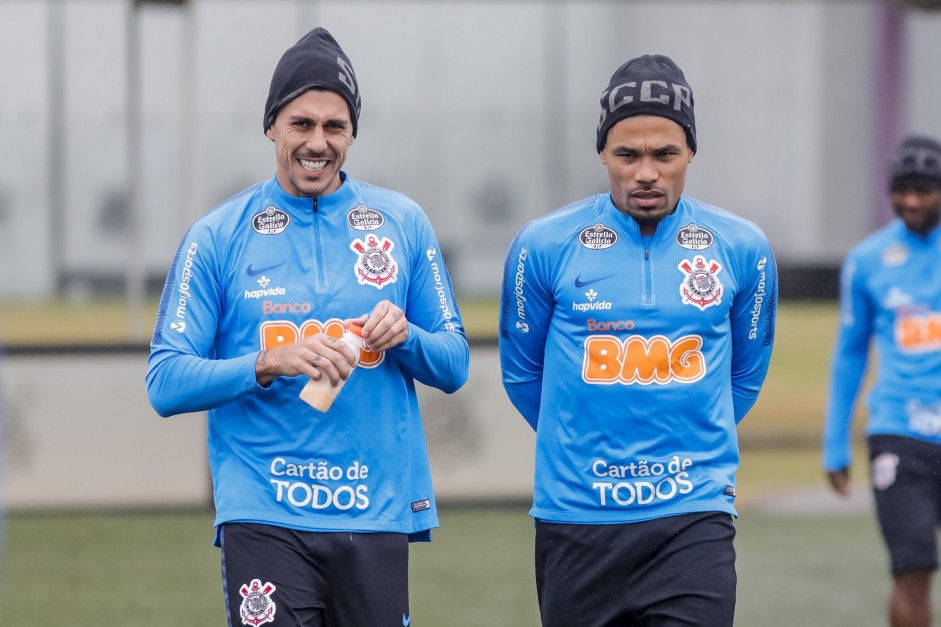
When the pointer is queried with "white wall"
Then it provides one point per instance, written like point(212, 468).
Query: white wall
point(483, 112)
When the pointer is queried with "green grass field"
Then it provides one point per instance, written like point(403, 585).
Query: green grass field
point(158, 569)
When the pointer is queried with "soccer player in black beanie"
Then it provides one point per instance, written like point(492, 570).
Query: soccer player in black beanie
point(636, 329)
point(316, 504)
point(890, 297)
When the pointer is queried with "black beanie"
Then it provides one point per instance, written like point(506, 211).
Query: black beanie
point(314, 62)
point(647, 85)
point(916, 160)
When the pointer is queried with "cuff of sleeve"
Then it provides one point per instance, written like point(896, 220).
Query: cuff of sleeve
point(408, 346)
point(246, 365)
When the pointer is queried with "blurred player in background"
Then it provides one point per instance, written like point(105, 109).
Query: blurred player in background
point(314, 511)
point(636, 328)
point(890, 293)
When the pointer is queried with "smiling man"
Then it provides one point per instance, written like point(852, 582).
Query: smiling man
point(636, 329)
point(889, 293)
point(314, 511)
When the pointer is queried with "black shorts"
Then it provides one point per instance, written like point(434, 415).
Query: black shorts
point(279, 577)
point(906, 483)
point(678, 570)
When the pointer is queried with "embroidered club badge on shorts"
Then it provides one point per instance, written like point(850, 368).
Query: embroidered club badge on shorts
point(375, 265)
point(700, 286)
point(257, 607)
point(884, 469)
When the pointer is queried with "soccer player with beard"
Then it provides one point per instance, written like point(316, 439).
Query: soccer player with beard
point(636, 329)
point(890, 295)
point(314, 511)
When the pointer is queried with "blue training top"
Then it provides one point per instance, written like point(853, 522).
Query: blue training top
point(888, 293)
point(265, 269)
point(635, 357)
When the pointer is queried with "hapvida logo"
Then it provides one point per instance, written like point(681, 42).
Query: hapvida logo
point(263, 283)
point(592, 304)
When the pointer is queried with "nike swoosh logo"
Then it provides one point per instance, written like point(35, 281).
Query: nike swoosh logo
point(253, 272)
point(580, 283)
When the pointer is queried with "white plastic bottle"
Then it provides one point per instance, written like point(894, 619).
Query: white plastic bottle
point(319, 394)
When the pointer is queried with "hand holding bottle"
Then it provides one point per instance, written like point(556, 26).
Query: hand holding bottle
point(320, 393)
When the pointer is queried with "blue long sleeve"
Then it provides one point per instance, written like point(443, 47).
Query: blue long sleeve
point(436, 351)
point(179, 383)
point(525, 316)
point(440, 360)
point(753, 320)
point(847, 368)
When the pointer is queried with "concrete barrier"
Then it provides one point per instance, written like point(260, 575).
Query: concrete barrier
point(81, 434)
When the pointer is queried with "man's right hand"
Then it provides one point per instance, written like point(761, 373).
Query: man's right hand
point(315, 356)
point(840, 481)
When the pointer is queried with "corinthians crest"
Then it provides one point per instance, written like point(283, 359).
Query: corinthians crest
point(700, 286)
point(257, 607)
point(375, 265)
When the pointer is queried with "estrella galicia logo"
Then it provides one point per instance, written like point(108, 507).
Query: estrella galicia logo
point(598, 237)
point(252, 271)
point(694, 237)
point(895, 255)
point(271, 221)
point(362, 218)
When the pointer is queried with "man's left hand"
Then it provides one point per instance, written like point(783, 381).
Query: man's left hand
point(384, 328)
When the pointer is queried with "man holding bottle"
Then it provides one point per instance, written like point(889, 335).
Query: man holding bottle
point(314, 511)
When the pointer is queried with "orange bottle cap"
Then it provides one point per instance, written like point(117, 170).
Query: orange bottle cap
point(356, 329)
